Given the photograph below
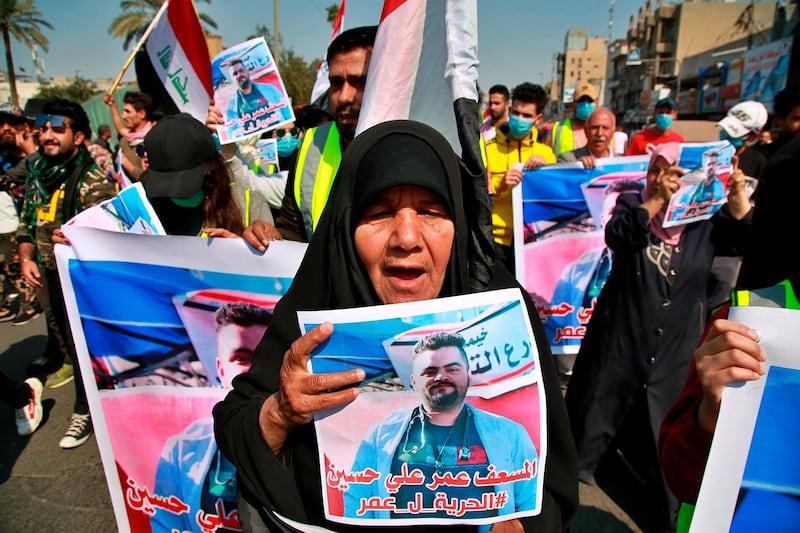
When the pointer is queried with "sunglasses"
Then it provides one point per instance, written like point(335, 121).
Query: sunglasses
point(283, 131)
point(58, 123)
point(140, 150)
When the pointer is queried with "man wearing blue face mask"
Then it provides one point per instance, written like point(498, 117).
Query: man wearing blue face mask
point(513, 150)
point(660, 132)
point(570, 134)
point(288, 142)
point(741, 127)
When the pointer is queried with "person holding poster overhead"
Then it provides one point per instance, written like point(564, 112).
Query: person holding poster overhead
point(253, 100)
point(395, 230)
point(646, 321)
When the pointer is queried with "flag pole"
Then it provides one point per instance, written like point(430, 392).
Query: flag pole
point(139, 45)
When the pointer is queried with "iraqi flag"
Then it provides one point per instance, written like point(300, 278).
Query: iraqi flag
point(173, 66)
point(424, 67)
point(425, 58)
point(322, 84)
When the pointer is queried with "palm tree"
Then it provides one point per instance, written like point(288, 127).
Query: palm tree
point(20, 19)
point(332, 11)
point(136, 16)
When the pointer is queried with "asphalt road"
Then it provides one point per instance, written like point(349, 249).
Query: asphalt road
point(46, 489)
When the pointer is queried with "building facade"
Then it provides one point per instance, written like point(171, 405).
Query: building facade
point(583, 61)
point(680, 49)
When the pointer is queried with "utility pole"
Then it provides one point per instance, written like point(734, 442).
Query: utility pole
point(275, 51)
point(610, 22)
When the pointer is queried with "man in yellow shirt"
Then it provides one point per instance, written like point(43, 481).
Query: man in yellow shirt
point(513, 150)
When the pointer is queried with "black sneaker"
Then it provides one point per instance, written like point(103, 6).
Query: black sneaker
point(24, 317)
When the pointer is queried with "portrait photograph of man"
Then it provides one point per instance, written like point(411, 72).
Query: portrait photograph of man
point(449, 424)
point(444, 435)
point(249, 91)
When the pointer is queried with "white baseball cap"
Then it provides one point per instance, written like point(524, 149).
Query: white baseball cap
point(743, 118)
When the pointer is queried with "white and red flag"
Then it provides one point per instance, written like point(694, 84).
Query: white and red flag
point(179, 64)
point(424, 67)
point(425, 59)
point(323, 83)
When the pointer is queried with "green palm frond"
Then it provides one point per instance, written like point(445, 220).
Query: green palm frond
point(20, 20)
point(136, 15)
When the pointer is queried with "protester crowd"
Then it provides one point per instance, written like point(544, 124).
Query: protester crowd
point(358, 200)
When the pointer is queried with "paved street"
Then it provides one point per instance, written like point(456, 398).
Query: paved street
point(46, 489)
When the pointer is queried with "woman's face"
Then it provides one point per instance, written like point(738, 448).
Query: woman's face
point(656, 172)
point(404, 239)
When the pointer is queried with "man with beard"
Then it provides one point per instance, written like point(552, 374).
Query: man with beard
point(311, 174)
point(444, 438)
point(16, 142)
point(62, 182)
point(249, 98)
point(498, 110)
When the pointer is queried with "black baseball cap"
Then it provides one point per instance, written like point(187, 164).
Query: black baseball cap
point(178, 148)
point(667, 102)
point(12, 113)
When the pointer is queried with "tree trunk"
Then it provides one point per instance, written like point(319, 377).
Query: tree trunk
point(12, 78)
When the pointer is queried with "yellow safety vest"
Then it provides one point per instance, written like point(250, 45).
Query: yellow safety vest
point(317, 163)
point(562, 137)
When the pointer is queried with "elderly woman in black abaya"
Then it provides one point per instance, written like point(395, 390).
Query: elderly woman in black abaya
point(394, 230)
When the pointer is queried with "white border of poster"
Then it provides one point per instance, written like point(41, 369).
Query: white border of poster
point(265, 78)
point(132, 290)
point(490, 479)
point(754, 450)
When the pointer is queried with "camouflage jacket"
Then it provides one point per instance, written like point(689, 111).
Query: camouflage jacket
point(42, 214)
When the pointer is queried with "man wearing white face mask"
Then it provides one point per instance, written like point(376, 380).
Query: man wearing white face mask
point(742, 128)
point(570, 134)
point(513, 150)
point(645, 141)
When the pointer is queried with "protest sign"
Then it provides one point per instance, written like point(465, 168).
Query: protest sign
point(766, 71)
point(268, 155)
point(752, 477)
point(150, 344)
point(703, 190)
point(128, 212)
point(249, 91)
point(559, 215)
point(391, 456)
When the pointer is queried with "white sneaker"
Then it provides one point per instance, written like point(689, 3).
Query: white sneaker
point(30, 416)
point(78, 432)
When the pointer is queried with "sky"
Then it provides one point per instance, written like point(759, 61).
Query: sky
point(517, 39)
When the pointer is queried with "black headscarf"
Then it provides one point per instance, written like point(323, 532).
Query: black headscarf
point(393, 153)
point(332, 276)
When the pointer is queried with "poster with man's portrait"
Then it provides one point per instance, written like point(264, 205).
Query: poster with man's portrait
point(449, 426)
point(162, 325)
point(560, 213)
point(704, 188)
point(249, 91)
